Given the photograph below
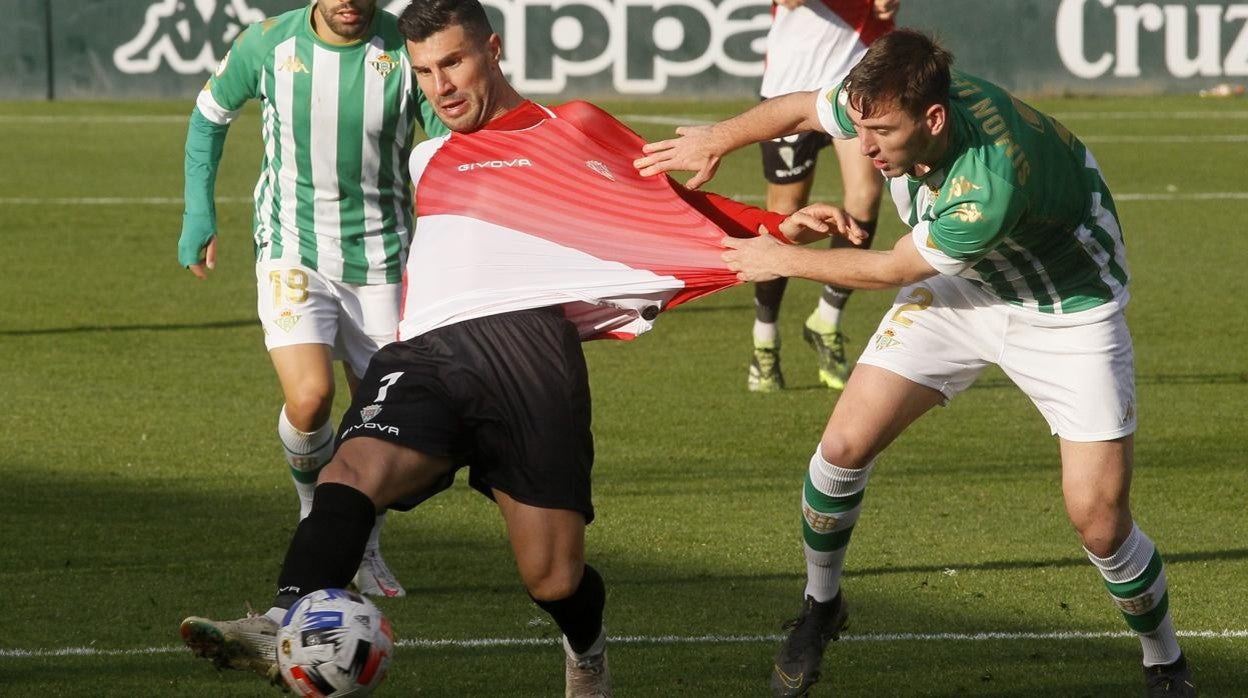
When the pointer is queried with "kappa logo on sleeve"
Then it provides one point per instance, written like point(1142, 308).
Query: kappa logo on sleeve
point(968, 213)
point(188, 36)
point(961, 186)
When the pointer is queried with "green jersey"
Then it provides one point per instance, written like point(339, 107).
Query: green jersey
point(337, 125)
point(1017, 206)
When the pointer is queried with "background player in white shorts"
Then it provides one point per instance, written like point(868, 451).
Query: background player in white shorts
point(333, 208)
point(1015, 258)
point(810, 45)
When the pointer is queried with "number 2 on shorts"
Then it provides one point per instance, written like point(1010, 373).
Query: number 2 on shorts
point(919, 299)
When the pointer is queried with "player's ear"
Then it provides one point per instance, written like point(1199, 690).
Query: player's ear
point(936, 118)
point(495, 45)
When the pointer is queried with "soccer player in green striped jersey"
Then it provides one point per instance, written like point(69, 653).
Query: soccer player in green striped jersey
point(333, 207)
point(1015, 258)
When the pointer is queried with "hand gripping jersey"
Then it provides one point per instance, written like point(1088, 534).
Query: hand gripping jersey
point(1018, 206)
point(337, 124)
point(544, 208)
point(815, 44)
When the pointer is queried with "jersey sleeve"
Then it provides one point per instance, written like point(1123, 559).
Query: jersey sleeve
point(974, 211)
point(736, 219)
point(830, 106)
point(235, 80)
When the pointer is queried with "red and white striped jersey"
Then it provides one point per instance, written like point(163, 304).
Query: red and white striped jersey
point(544, 208)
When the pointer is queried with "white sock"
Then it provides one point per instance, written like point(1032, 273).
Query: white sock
point(374, 536)
point(1133, 565)
point(833, 514)
point(766, 334)
point(306, 453)
point(829, 314)
point(599, 646)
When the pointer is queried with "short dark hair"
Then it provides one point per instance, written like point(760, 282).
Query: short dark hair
point(422, 19)
point(905, 69)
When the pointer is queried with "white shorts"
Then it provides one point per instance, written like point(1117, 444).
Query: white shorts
point(942, 332)
point(298, 305)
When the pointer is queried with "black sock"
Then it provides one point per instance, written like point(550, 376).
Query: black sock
point(836, 296)
point(328, 545)
point(580, 615)
point(767, 297)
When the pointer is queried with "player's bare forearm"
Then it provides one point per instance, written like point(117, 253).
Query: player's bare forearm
point(762, 259)
point(771, 118)
point(700, 148)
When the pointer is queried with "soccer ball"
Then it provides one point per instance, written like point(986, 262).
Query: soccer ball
point(334, 642)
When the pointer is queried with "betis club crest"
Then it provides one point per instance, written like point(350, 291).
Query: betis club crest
point(384, 64)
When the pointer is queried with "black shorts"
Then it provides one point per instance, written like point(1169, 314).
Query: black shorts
point(792, 158)
point(506, 395)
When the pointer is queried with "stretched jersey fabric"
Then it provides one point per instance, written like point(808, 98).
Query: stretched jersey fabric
point(544, 208)
point(815, 44)
point(337, 124)
point(1018, 207)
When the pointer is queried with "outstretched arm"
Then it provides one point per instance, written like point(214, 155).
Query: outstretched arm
point(700, 148)
point(763, 259)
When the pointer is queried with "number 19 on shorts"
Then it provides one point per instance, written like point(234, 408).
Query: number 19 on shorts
point(291, 284)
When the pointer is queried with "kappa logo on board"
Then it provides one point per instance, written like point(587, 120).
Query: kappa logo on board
point(190, 36)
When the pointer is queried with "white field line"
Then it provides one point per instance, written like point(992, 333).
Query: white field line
point(748, 198)
point(1118, 198)
point(417, 643)
point(1148, 115)
point(110, 200)
point(95, 118)
point(1216, 138)
point(690, 119)
point(696, 119)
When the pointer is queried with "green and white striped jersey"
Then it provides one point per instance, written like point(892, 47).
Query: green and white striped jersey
point(337, 124)
point(1018, 206)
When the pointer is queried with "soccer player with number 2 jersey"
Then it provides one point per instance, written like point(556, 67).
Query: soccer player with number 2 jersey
point(1015, 258)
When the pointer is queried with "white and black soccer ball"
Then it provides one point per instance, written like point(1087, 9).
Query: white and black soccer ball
point(334, 642)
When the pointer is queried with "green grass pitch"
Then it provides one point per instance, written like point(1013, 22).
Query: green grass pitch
point(142, 481)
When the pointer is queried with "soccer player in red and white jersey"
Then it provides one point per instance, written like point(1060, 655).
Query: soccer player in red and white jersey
point(812, 44)
point(534, 233)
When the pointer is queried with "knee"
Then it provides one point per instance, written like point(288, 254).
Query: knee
point(553, 582)
point(1102, 525)
point(308, 407)
point(840, 450)
point(341, 471)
